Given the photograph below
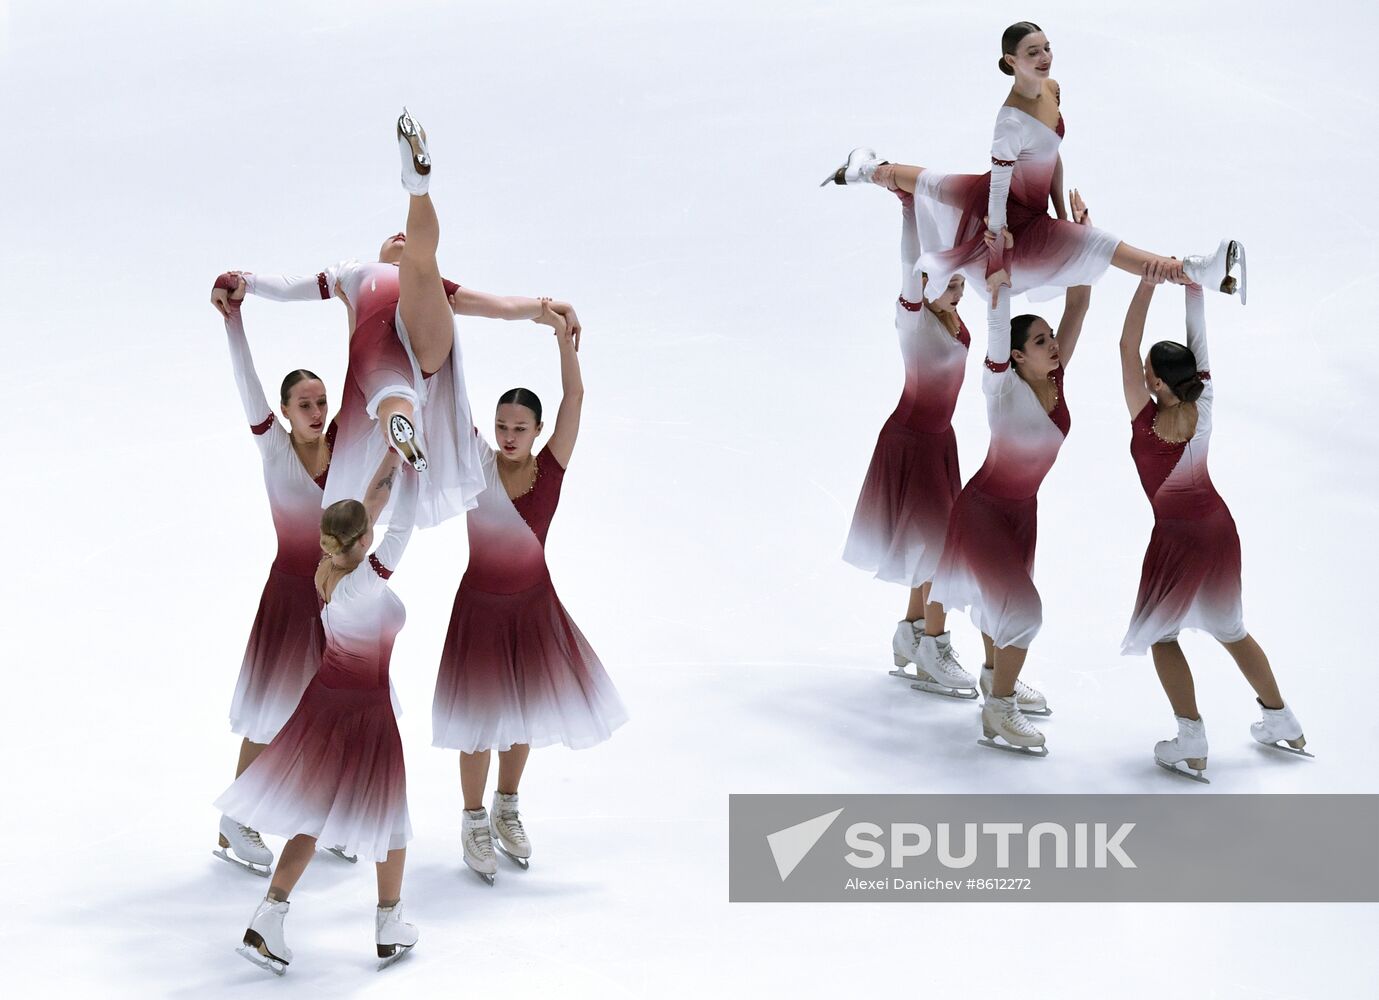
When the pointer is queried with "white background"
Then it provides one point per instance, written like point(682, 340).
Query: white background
point(659, 170)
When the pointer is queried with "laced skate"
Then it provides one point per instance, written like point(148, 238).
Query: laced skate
point(905, 647)
point(243, 846)
point(1189, 747)
point(1001, 717)
point(402, 435)
point(861, 164)
point(264, 944)
point(416, 156)
point(477, 842)
point(937, 670)
point(508, 835)
point(1223, 270)
point(393, 935)
point(1031, 701)
point(339, 852)
point(1280, 730)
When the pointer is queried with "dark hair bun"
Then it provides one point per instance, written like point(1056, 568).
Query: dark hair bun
point(1189, 390)
point(1005, 66)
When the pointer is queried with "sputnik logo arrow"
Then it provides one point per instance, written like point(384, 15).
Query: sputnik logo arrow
point(789, 846)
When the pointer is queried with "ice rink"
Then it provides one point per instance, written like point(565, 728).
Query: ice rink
point(660, 170)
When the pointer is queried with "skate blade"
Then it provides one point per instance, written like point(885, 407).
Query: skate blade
point(838, 176)
point(1234, 281)
point(522, 863)
point(409, 131)
point(259, 870)
point(933, 687)
point(488, 879)
point(402, 435)
point(271, 964)
point(1042, 751)
point(1183, 772)
point(351, 858)
point(1295, 751)
point(390, 953)
point(1042, 713)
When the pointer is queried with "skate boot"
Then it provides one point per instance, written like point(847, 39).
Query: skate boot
point(1031, 701)
point(508, 835)
point(861, 164)
point(1001, 717)
point(264, 944)
point(403, 437)
point(243, 846)
point(478, 845)
point(1189, 747)
point(1281, 730)
point(416, 157)
point(1223, 270)
point(393, 935)
point(938, 671)
point(905, 647)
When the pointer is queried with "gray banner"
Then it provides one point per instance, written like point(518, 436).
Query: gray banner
point(1053, 848)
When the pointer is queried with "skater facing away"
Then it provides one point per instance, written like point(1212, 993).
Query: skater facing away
point(335, 771)
point(902, 513)
point(1191, 572)
point(405, 373)
point(960, 215)
point(285, 642)
point(516, 672)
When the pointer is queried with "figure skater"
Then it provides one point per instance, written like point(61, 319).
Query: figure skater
point(1191, 574)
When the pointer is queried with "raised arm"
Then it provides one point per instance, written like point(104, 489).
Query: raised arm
point(998, 332)
point(1131, 339)
point(292, 287)
point(388, 554)
point(256, 407)
point(1075, 304)
point(381, 486)
point(1005, 150)
point(562, 442)
point(911, 283)
point(1197, 327)
point(468, 302)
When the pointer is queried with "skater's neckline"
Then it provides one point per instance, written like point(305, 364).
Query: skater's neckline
point(1035, 118)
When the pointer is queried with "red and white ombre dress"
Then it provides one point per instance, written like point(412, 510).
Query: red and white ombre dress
point(516, 668)
point(1191, 573)
point(335, 771)
point(1049, 254)
point(988, 554)
point(285, 643)
point(902, 513)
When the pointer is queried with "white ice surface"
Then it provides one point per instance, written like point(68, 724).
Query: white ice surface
point(658, 169)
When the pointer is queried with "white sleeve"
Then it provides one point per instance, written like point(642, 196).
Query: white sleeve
point(1197, 327)
point(1005, 150)
point(256, 409)
point(389, 552)
point(292, 287)
point(911, 281)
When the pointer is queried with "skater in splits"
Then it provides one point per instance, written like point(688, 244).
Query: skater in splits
point(988, 553)
point(285, 643)
point(1191, 574)
point(516, 672)
point(335, 771)
point(959, 214)
point(405, 371)
point(902, 514)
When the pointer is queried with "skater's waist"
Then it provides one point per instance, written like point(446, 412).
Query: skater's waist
point(504, 582)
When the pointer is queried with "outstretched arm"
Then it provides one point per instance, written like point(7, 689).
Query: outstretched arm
point(1005, 150)
point(562, 442)
point(911, 283)
point(388, 554)
point(1075, 304)
point(468, 302)
point(1131, 338)
point(1197, 327)
point(292, 287)
point(381, 486)
point(256, 407)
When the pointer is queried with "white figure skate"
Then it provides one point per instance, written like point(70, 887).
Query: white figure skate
point(1223, 270)
point(508, 835)
point(1002, 717)
point(905, 647)
point(264, 944)
point(393, 935)
point(416, 156)
point(861, 164)
point(1280, 730)
point(478, 845)
point(243, 846)
point(1189, 747)
point(402, 435)
point(1031, 701)
point(937, 670)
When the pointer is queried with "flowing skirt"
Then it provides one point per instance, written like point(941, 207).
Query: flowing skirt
point(516, 669)
point(902, 513)
point(1049, 254)
point(987, 566)
point(1190, 579)
point(283, 654)
point(334, 772)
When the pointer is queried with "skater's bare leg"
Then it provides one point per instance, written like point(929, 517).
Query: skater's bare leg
point(1133, 259)
point(1176, 678)
point(474, 778)
point(899, 176)
point(1255, 666)
point(989, 649)
point(296, 855)
point(510, 766)
point(914, 611)
point(1009, 660)
point(390, 877)
point(391, 405)
point(248, 753)
point(421, 294)
point(935, 618)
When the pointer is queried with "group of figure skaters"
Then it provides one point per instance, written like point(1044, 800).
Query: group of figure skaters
point(971, 547)
point(321, 762)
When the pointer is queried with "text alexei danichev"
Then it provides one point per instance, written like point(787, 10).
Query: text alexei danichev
point(904, 885)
